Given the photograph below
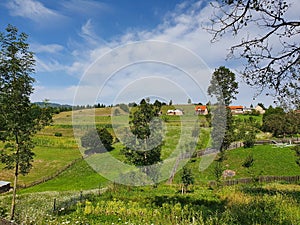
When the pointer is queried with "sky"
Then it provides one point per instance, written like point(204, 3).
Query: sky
point(116, 51)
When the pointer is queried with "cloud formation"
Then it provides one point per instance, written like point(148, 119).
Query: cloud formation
point(31, 9)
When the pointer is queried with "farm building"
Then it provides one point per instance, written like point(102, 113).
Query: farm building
point(201, 110)
point(236, 109)
point(4, 186)
point(176, 112)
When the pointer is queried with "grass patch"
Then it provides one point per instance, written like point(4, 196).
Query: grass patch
point(79, 176)
point(165, 205)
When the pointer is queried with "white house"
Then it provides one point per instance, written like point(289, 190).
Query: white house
point(176, 112)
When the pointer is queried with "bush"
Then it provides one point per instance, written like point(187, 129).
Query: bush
point(97, 141)
point(58, 134)
point(248, 162)
point(249, 140)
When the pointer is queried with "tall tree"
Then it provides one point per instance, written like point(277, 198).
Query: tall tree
point(273, 53)
point(223, 85)
point(19, 118)
point(144, 148)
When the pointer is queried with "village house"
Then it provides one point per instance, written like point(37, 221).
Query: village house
point(175, 112)
point(201, 110)
point(242, 110)
point(236, 109)
point(260, 109)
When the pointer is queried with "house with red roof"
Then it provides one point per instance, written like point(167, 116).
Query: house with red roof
point(236, 109)
point(201, 110)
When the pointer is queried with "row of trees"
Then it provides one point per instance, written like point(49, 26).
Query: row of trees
point(281, 123)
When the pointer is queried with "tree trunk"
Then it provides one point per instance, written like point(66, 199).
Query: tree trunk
point(13, 202)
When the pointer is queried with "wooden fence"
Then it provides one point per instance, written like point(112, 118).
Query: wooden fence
point(44, 179)
point(261, 179)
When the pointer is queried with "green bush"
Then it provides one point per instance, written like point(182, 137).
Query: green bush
point(58, 134)
point(248, 162)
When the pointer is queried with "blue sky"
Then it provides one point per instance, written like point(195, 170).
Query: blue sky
point(112, 51)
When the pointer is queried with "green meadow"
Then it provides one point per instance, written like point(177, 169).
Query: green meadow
point(58, 150)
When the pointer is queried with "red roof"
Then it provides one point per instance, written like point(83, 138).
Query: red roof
point(235, 107)
point(200, 107)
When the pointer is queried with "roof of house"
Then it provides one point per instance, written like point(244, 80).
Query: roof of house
point(3, 183)
point(236, 107)
point(200, 107)
point(174, 110)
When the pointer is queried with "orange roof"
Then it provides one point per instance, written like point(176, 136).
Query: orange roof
point(235, 107)
point(200, 107)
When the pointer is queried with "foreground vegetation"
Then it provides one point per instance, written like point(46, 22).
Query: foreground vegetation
point(270, 204)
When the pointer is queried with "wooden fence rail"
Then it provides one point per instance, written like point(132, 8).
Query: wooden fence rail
point(261, 179)
point(44, 179)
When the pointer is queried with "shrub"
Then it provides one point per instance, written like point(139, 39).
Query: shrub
point(248, 162)
point(58, 134)
point(249, 140)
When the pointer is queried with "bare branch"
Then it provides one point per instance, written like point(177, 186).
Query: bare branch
point(273, 57)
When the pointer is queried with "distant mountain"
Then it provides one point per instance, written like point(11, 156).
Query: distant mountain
point(53, 105)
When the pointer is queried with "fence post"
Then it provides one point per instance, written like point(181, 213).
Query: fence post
point(81, 196)
point(54, 205)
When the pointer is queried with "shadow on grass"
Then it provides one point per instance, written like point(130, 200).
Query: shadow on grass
point(207, 204)
point(259, 191)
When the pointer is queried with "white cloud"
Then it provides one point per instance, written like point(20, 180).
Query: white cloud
point(88, 34)
point(50, 65)
point(49, 48)
point(182, 28)
point(85, 7)
point(31, 9)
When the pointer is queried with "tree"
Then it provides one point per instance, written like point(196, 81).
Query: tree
point(99, 140)
point(273, 54)
point(116, 112)
point(124, 107)
point(144, 148)
point(19, 118)
point(280, 123)
point(186, 178)
point(157, 104)
point(223, 85)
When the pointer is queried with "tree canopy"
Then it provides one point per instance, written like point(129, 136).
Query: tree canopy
point(97, 141)
point(144, 148)
point(223, 85)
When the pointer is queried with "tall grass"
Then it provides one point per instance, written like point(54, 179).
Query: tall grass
point(164, 205)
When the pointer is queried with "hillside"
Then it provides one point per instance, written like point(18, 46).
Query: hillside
point(54, 153)
point(57, 151)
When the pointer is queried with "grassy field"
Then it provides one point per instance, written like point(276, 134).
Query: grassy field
point(54, 153)
point(268, 205)
point(79, 176)
point(268, 160)
point(272, 204)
